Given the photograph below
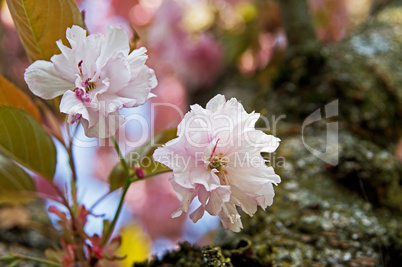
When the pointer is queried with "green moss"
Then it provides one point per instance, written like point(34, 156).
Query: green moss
point(324, 215)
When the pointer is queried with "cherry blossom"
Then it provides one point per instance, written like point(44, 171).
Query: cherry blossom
point(217, 158)
point(96, 77)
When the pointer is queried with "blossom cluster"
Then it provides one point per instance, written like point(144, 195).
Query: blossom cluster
point(219, 183)
point(96, 77)
point(217, 154)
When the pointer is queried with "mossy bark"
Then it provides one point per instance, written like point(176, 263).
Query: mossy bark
point(349, 214)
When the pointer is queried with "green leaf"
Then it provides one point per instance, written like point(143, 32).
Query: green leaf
point(141, 157)
point(11, 95)
point(40, 23)
point(13, 180)
point(24, 139)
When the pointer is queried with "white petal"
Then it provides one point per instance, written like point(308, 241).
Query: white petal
point(230, 218)
point(61, 65)
point(84, 54)
point(140, 87)
point(118, 74)
point(197, 214)
point(247, 203)
point(182, 178)
point(205, 177)
point(177, 213)
point(44, 81)
point(203, 195)
point(216, 103)
point(262, 141)
point(267, 196)
point(114, 102)
point(250, 179)
point(234, 103)
point(216, 200)
point(163, 155)
point(71, 104)
point(105, 127)
point(115, 41)
point(75, 35)
point(63, 49)
point(136, 60)
point(185, 195)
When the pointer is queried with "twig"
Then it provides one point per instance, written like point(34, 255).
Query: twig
point(125, 188)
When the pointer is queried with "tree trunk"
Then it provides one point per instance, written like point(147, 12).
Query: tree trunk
point(298, 26)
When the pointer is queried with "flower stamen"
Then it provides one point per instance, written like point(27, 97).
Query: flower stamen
point(73, 118)
point(213, 150)
point(88, 85)
point(80, 66)
point(82, 95)
point(218, 161)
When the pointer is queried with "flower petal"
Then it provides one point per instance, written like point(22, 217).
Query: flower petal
point(140, 87)
point(218, 197)
point(247, 203)
point(136, 60)
point(201, 176)
point(185, 195)
point(177, 213)
point(115, 41)
point(118, 74)
point(230, 218)
point(75, 35)
point(105, 127)
point(63, 49)
point(240, 176)
point(262, 141)
point(71, 104)
point(113, 102)
point(44, 81)
point(216, 103)
point(61, 65)
point(197, 214)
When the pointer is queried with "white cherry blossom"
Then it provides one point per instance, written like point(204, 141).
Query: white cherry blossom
point(96, 77)
point(217, 158)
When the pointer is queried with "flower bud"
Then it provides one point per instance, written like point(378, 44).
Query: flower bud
point(139, 172)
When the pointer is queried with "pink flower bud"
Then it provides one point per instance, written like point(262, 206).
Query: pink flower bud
point(139, 172)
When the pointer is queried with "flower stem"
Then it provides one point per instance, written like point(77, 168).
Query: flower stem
point(14, 257)
point(71, 161)
point(125, 188)
point(150, 175)
point(73, 175)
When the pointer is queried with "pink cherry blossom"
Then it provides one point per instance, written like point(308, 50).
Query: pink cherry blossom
point(195, 58)
point(217, 158)
point(96, 77)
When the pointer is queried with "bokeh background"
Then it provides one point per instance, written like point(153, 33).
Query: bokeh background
point(199, 48)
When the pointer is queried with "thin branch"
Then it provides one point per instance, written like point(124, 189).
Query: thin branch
point(150, 175)
point(125, 188)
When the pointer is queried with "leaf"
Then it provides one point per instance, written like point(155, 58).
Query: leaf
point(13, 180)
point(142, 156)
point(24, 139)
point(11, 95)
point(40, 23)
